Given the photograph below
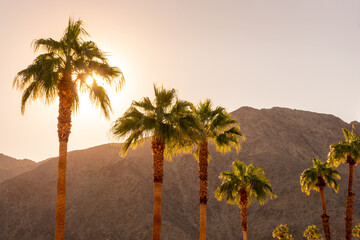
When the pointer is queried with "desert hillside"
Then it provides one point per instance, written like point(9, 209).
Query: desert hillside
point(110, 197)
point(11, 167)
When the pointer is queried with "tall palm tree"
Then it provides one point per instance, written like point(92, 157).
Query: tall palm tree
point(347, 151)
point(167, 120)
point(316, 178)
point(61, 71)
point(214, 126)
point(243, 185)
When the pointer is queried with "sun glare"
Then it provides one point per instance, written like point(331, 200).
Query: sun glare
point(86, 107)
point(89, 80)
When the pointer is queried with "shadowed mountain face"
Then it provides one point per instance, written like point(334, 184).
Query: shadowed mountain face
point(111, 197)
point(11, 167)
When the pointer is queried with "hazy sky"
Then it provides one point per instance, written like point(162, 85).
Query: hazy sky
point(290, 53)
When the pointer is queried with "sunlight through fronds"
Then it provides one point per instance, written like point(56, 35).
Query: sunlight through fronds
point(71, 56)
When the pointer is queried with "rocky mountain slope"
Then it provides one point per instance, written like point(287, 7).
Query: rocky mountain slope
point(11, 167)
point(110, 197)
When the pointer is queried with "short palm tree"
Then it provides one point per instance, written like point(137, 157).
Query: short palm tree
point(347, 151)
point(241, 186)
point(218, 127)
point(167, 121)
point(316, 178)
point(282, 232)
point(356, 231)
point(61, 72)
point(312, 233)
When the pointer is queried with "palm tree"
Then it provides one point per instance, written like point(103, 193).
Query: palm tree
point(312, 233)
point(282, 232)
point(356, 231)
point(347, 151)
point(62, 71)
point(316, 178)
point(216, 126)
point(167, 120)
point(241, 186)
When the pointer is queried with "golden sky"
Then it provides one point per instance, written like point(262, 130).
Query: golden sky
point(297, 54)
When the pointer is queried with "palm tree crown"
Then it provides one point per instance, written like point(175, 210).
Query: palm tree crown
point(166, 118)
point(347, 151)
point(74, 58)
point(319, 175)
point(218, 126)
point(251, 179)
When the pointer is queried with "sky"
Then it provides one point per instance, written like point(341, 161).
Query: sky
point(262, 53)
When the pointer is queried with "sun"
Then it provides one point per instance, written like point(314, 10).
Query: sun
point(89, 80)
point(94, 78)
point(86, 105)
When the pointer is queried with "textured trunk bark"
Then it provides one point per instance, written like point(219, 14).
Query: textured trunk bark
point(349, 200)
point(203, 176)
point(243, 208)
point(325, 219)
point(66, 94)
point(158, 148)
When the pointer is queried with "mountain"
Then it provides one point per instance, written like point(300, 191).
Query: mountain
point(11, 167)
point(110, 197)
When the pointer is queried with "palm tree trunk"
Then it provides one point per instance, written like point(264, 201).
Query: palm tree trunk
point(349, 200)
point(157, 211)
point(243, 208)
point(158, 148)
point(203, 175)
point(66, 95)
point(325, 219)
point(202, 221)
point(61, 191)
